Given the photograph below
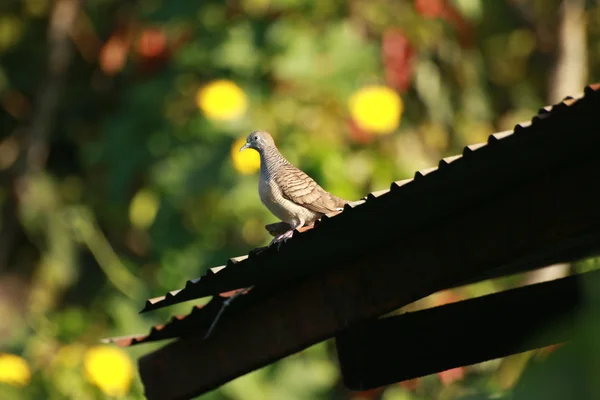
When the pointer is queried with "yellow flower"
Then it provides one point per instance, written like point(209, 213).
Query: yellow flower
point(376, 109)
point(143, 209)
point(222, 100)
point(247, 161)
point(14, 370)
point(109, 368)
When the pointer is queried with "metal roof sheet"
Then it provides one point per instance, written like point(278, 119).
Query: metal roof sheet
point(211, 283)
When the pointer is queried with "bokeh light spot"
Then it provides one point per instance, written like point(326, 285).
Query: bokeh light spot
point(376, 109)
point(14, 370)
point(245, 162)
point(222, 100)
point(109, 368)
point(143, 209)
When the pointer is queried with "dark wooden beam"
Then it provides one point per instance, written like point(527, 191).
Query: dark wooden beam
point(425, 342)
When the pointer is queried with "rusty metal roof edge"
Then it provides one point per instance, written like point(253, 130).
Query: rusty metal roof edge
point(168, 330)
point(189, 292)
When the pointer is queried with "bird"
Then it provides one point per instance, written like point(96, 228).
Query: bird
point(287, 192)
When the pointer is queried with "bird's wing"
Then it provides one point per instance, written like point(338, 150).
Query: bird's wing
point(301, 189)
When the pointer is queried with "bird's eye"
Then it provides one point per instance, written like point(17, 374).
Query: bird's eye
point(255, 137)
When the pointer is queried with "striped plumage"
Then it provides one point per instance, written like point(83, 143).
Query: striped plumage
point(290, 194)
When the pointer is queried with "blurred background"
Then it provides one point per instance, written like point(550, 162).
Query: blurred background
point(120, 176)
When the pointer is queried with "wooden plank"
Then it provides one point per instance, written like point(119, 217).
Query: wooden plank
point(425, 342)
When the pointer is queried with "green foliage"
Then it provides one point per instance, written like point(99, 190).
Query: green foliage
point(75, 266)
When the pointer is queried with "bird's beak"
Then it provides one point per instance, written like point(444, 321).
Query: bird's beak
point(245, 146)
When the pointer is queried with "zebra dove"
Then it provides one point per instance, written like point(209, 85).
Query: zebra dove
point(291, 195)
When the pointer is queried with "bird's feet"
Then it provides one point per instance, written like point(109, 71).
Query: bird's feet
point(279, 239)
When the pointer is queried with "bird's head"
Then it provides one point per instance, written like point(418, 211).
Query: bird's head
point(258, 140)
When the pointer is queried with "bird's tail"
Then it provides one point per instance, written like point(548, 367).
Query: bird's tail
point(342, 203)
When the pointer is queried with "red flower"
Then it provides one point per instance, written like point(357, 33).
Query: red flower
point(152, 43)
point(451, 375)
point(397, 58)
point(441, 9)
point(431, 8)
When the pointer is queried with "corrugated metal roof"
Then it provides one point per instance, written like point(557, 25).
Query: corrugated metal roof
point(210, 283)
point(336, 237)
point(189, 292)
point(197, 321)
